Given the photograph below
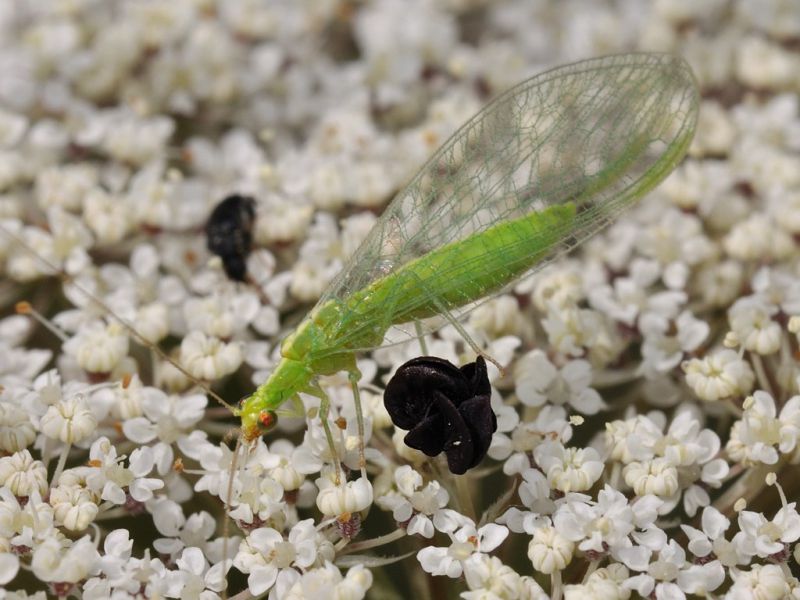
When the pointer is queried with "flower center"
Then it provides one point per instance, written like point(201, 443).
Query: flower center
point(461, 550)
point(283, 555)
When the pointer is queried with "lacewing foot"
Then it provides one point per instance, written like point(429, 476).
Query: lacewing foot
point(229, 234)
point(445, 409)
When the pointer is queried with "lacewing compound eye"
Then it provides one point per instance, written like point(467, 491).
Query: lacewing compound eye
point(229, 234)
point(445, 409)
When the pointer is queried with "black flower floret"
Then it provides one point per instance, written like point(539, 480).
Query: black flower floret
point(229, 233)
point(445, 409)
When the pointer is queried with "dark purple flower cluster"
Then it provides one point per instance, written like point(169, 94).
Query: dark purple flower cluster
point(445, 409)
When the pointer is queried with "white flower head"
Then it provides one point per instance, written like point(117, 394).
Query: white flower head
point(548, 550)
point(569, 469)
point(99, 348)
point(751, 319)
point(488, 575)
point(209, 358)
point(414, 504)
point(267, 557)
point(327, 582)
point(658, 477)
point(761, 581)
point(712, 539)
point(605, 582)
point(16, 430)
point(666, 342)
point(74, 506)
point(71, 420)
point(53, 562)
point(467, 543)
point(719, 375)
point(23, 475)
point(539, 381)
point(762, 435)
point(337, 500)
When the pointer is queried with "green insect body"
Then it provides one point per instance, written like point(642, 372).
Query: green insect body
point(538, 170)
point(301, 360)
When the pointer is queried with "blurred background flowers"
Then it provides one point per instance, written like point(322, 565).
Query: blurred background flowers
point(648, 419)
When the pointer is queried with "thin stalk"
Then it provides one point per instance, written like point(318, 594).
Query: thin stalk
point(382, 540)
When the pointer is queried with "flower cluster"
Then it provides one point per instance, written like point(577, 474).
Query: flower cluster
point(640, 440)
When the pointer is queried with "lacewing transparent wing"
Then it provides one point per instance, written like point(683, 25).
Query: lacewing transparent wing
point(595, 135)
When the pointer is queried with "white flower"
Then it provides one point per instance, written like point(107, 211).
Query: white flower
point(337, 500)
point(467, 543)
point(762, 537)
point(632, 439)
point(605, 583)
point(517, 449)
point(761, 64)
point(701, 579)
point(109, 217)
point(751, 320)
point(715, 133)
point(209, 358)
point(104, 476)
point(774, 17)
point(765, 582)
point(140, 464)
point(16, 430)
point(23, 475)
point(535, 492)
point(660, 573)
point(287, 474)
point(12, 128)
point(327, 186)
point(603, 527)
point(220, 315)
point(548, 550)
point(414, 504)
point(558, 285)
point(266, 557)
point(718, 376)
point(712, 539)
point(123, 572)
point(53, 562)
point(98, 348)
point(778, 288)
point(658, 477)
point(498, 317)
point(66, 185)
point(569, 469)
point(574, 331)
point(676, 240)
point(538, 381)
point(168, 419)
point(194, 578)
point(628, 297)
point(327, 583)
point(488, 575)
point(134, 140)
point(9, 567)
point(279, 219)
point(666, 342)
point(73, 506)
point(720, 282)
point(192, 532)
point(761, 435)
point(70, 420)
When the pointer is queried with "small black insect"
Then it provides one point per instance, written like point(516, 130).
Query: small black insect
point(444, 408)
point(229, 233)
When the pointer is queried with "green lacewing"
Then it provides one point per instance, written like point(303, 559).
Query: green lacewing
point(539, 169)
